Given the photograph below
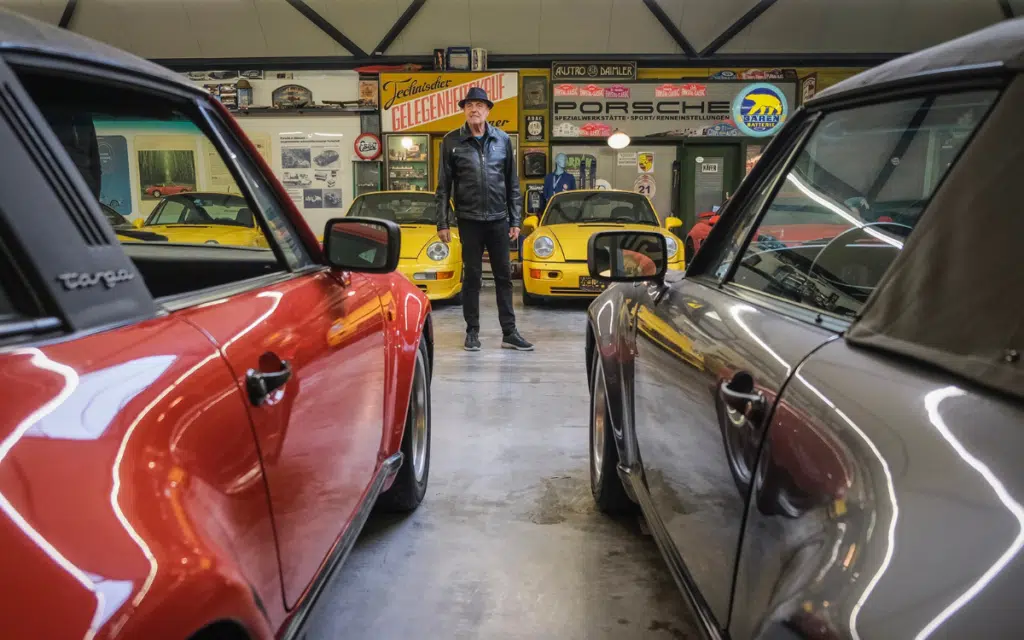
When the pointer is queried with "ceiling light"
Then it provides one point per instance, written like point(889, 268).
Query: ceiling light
point(618, 140)
point(407, 142)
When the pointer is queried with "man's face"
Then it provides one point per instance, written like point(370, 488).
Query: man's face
point(476, 112)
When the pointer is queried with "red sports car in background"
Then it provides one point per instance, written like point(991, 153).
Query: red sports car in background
point(192, 435)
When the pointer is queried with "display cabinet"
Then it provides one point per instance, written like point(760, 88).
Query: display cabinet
point(408, 162)
point(366, 176)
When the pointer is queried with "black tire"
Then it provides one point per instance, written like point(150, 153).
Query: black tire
point(456, 300)
point(407, 492)
point(529, 300)
point(605, 484)
point(688, 251)
point(156, 193)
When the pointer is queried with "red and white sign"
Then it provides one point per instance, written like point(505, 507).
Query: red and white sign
point(668, 91)
point(592, 91)
point(694, 90)
point(368, 147)
point(566, 90)
point(616, 91)
point(596, 129)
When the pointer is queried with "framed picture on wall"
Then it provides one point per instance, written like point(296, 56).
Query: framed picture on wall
point(535, 92)
point(535, 163)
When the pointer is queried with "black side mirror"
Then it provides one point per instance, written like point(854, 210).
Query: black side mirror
point(627, 256)
point(366, 245)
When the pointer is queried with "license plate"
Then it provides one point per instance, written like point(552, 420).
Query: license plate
point(591, 284)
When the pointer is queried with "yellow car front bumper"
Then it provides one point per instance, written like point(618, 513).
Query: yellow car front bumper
point(563, 279)
point(438, 280)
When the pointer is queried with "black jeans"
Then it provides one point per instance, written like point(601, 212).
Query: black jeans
point(475, 237)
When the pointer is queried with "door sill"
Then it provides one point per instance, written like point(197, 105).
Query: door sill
point(293, 626)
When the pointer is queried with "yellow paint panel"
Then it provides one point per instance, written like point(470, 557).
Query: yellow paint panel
point(429, 102)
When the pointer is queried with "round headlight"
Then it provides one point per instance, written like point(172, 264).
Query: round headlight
point(437, 251)
point(543, 247)
point(671, 246)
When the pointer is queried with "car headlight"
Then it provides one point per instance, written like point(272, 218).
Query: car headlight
point(437, 251)
point(211, 242)
point(543, 247)
point(671, 246)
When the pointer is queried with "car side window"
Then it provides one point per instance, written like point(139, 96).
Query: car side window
point(139, 151)
point(852, 197)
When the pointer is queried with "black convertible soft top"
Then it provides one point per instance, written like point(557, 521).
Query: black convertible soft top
point(953, 296)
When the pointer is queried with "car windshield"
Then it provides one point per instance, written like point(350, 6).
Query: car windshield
point(203, 209)
point(600, 208)
point(114, 218)
point(403, 208)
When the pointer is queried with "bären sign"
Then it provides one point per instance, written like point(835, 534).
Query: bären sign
point(593, 71)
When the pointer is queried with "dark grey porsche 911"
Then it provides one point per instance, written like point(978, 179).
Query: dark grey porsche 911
point(822, 419)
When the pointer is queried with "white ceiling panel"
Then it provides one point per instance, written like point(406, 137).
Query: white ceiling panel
point(224, 29)
point(576, 26)
point(365, 22)
point(46, 10)
point(701, 26)
point(288, 33)
point(502, 26)
point(148, 28)
point(439, 24)
point(634, 29)
point(796, 26)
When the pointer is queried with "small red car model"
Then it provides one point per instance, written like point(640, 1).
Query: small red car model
point(192, 435)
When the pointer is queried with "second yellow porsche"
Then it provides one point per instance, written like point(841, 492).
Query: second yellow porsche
point(205, 218)
point(433, 266)
point(555, 252)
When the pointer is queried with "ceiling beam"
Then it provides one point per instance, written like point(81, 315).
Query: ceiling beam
point(69, 12)
point(671, 28)
point(327, 28)
point(741, 24)
point(536, 61)
point(1007, 9)
point(398, 27)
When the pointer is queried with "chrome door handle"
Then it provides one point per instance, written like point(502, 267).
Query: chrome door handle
point(260, 385)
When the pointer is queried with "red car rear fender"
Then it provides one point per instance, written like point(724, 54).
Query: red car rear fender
point(407, 322)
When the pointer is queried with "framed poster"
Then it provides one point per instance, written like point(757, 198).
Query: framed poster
point(535, 92)
point(535, 128)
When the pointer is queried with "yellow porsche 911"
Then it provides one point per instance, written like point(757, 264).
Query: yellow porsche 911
point(555, 252)
point(205, 218)
point(433, 266)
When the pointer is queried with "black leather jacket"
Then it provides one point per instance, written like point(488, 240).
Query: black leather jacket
point(480, 179)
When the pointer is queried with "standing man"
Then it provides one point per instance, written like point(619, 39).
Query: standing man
point(476, 170)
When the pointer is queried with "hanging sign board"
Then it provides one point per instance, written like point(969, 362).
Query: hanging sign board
point(671, 108)
point(576, 71)
point(429, 102)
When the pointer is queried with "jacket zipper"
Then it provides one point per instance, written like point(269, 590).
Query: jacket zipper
point(483, 185)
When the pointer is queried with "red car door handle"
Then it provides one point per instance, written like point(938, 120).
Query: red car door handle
point(260, 385)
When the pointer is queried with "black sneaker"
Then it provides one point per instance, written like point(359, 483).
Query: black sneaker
point(472, 341)
point(515, 341)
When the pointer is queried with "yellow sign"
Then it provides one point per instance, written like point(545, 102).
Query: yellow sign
point(429, 102)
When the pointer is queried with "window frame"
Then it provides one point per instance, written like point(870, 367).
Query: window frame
point(205, 118)
point(776, 172)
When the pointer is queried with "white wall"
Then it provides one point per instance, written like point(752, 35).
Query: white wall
point(324, 85)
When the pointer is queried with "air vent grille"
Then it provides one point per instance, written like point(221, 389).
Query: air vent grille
point(15, 114)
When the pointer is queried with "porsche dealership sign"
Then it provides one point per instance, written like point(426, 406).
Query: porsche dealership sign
point(671, 108)
point(429, 102)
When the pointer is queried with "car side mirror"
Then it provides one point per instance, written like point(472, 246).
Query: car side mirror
point(673, 222)
point(627, 256)
point(138, 222)
point(365, 245)
point(530, 224)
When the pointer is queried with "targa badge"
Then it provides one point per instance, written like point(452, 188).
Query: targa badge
point(759, 109)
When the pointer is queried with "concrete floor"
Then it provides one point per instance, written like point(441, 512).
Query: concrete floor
point(507, 543)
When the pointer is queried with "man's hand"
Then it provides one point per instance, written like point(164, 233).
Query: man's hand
point(513, 234)
point(445, 235)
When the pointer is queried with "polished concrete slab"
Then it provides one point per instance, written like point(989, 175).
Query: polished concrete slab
point(507, 543)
